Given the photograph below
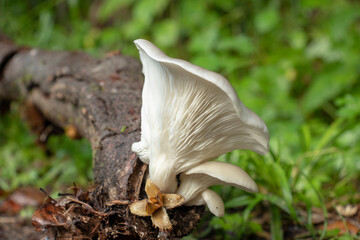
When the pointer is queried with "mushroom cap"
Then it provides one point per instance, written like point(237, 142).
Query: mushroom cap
point(189, 115)
point(212, 200)
point(225, 174)
point(245, 114)
point(194, 181)
point(142, 150)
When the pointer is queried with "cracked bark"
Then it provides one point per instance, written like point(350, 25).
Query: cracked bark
point(99, 98)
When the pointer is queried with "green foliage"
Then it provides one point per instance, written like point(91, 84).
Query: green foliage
point(295, 63)
point(22, 162)
point(233, 226)
point(17, 153)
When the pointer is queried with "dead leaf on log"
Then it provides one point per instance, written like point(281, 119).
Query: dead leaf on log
point(69, 213)
point(48, 215)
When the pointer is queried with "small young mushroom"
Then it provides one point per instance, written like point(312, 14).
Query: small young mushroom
point(212, 200)
point(189, 116)
point(194, 184)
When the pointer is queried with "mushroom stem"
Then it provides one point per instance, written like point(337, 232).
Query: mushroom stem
point(192, 185)
point(166, 184)
point(163, 175)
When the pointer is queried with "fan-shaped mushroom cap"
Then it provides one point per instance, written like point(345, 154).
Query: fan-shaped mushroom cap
point(189, 115)
point(142, 150)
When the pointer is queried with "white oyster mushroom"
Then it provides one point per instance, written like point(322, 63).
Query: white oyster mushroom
point(212, 200)
point(194, 184)
point(189, 115)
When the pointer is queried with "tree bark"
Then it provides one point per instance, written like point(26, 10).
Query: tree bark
point(102, 100)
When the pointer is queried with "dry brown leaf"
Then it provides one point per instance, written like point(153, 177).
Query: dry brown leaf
point(20, 198)
point(152, 207)
point(68, 212)
point(139, 208)
point(48, 215)
point(161, 220)
point(152, 190)
point(155, 205)
point(342, 227)
point(172, 200)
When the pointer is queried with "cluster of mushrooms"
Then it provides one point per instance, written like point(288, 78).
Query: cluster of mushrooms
point(189, 117)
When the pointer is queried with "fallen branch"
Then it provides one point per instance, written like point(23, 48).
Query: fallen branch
point(99, 100)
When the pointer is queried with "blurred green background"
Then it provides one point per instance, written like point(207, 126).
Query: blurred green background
point(295, 63)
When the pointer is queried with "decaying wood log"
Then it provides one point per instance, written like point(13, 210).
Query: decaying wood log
point(102, 100)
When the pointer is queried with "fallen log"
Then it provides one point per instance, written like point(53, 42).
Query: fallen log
point(101, 100)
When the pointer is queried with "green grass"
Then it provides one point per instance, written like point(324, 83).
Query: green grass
point(295, 63)
point(24, 163)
